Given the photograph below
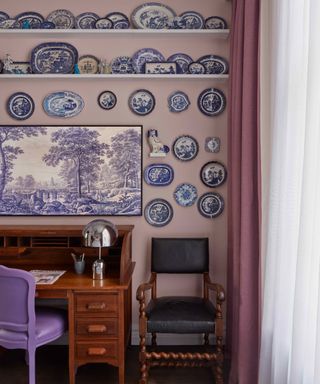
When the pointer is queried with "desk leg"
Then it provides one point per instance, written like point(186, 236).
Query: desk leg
point(72, 367)
point(121, 371)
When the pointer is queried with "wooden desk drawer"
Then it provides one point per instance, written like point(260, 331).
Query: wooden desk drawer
point(97, 328)
point(97, 351)
point(97, 303)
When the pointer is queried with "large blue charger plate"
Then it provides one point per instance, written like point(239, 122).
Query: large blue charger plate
point(159, 175)
point(211, 205)
point(152, 16)
point(158, 212)
point(20, 106)
point(53, 58)
point(63, 104)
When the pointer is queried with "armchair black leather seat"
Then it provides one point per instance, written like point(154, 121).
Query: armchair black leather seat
point(180, 314)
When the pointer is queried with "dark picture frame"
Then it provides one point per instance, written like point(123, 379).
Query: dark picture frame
point(63, 170)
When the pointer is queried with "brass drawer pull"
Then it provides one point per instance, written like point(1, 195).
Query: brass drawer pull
point(97, 328)
point(96, 351)
point(96, 306)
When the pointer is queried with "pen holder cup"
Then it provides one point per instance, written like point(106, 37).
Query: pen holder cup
point(79, 266)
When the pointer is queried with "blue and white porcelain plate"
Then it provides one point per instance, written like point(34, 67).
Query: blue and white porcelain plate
point(192, 20)
point(185, 194)
point(47, 25)
point(107, 100)
point(213, 174)
point(117, 16)
point(178, 101)
point(20, 106)
point(211, 205)
point(183, 60)
point(88, 64)
point(121, 24)
point(34, 19)
point(215, 65)
point(158, 212)
point(211, 102)
point(63, 104)
point(10, 24)
point(122, 65)
point(86, 20)
point(146, 55)
point(103, 23)
point(196, 68)
point(142, 102)
point(152, 16)
point(4, 16)
point(62, 18)
point(53, 58)
point(215, 22)
point(159, 175)
point(185, 148)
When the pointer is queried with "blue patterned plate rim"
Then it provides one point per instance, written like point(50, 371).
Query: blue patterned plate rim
point(197, 15)
point(117, 16)
point(63, 94)
point(212, 91)
point(26, 15)
point(221, 19)
point(157, 57)
point(168, 218)
point(112, 95)
point(158, 165)
point(215, 179)
point(212, 58)
point(11, 100)
point(67, 14)
point(193, 154)
point(151, 97)
point(213, 213)
point(4, 16)
point(133, 16)
point(84, 15)
point(185, 202)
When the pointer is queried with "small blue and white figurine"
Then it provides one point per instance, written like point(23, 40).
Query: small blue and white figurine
point(157, 148)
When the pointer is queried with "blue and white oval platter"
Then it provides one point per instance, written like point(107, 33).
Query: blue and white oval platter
point(158, 175)
point(63, 104)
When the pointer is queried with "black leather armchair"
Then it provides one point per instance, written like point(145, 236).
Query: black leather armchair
point(180, 314)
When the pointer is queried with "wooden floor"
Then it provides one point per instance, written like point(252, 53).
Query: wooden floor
point(52, 368)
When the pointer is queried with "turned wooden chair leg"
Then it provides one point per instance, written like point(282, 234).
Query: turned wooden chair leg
point(219, 362)
point(143, 361)
point(154, 339)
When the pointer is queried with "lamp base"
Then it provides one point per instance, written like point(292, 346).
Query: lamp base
point(98, 269)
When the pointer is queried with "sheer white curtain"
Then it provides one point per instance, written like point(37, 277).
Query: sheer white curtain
point(290, 102)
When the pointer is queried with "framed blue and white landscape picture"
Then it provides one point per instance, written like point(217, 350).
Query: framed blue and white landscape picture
point(70, 170)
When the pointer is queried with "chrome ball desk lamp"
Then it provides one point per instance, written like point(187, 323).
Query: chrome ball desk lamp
point(98, 234)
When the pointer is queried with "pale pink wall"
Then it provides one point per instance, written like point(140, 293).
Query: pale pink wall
point(186, 221)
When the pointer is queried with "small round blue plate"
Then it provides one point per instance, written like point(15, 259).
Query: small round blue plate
point(183, 60)
point(142, 102)
point(215, 22)
point(103, 23)
point(185, 194)
point(185, 148)
point(178, 101)
point(107, 100)
point(158, 212)
point(211, 205)
point(20, 106)
point(196, 68)
point(86, 20)
point(121, 24)
point(213, 174)
point(212, 102)
point(192, 20)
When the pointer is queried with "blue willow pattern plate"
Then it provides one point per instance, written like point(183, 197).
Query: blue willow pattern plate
point(63, 104)
point(215, 22)
point(183, 60)
point(146, 55)
point(185, 194)
point(213, 174)
point(192, 20)
point(196, 68)
point(107, 100)
point(20, 106)
point(3, 16)
point(142, 102)
point(33, 18)
point(122, 65)
point(152, 16)
point(53, 58)
point(47, 25)
point(211, 205)
point(86, 20)
point(121, 24)
point(159, 175)
point(215, 65)
point(211, 102)
point(103, 23)
point(117, 16)
point(178, 101)
point(158, 212)
point(185, 148)
point(62, 18)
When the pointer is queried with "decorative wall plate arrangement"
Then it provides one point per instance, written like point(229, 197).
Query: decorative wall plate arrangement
point(211, 205)
point(213, 174)
point(146, 55)
point(183, 60)
point(107, 100)
point(215, 22)
point(192, 20)
point(20, 106)
point(3, 16)
point(211, 102)
point(159, 175)
point(47, 25)
point(158, 212)
point(62, 18)
point(215, 65)
point(142, 102)
point(63, 104)
point(196, 68)
point(88, 64)
point(185, 148)
point(33, 18)
point(103, 23)
point(86, 20)
point(10, 24)
point(152, 16)
point(212, 144)
point(53, 58)
point(178, 101)
point(122, 65)
point(185, 194)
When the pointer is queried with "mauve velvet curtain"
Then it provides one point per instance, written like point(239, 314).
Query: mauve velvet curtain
point(244, 195)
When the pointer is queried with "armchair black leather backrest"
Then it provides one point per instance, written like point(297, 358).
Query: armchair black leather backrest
point(180, 255)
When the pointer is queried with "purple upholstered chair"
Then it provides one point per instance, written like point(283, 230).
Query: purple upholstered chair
point(21, 325)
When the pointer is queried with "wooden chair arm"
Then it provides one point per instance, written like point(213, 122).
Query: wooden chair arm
point(218, 288)
point(146, 287)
